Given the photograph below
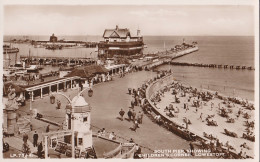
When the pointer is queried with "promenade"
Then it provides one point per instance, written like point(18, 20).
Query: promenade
point(106, 102)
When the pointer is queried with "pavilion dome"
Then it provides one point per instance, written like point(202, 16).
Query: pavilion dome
point(79, 101)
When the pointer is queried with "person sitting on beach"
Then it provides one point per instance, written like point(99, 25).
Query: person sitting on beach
point(187, 108)
point(219, 105)
point(244, 145)
point(166, 109)
point(171, 107)
point(99, 133)
point(169, 113)
point(157, 118)
point(227, 145)
point(112, 136)
point(131, 140)
point(176, 110)
point(218, 144)
point(103, 132)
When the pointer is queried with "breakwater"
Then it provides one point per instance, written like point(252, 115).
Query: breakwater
point(241, 67)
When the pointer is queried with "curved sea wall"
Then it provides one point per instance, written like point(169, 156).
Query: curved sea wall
point(167, 123)
point(172, 126)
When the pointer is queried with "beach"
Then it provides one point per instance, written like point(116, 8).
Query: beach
point(198, 118)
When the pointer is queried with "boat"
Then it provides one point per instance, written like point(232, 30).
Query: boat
point(17, 66)
point(32, 69)
point(8, 49)
point(20, 72)
point(49, 62)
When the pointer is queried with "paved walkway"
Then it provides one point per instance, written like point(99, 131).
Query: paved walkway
point(17, 142)
point(106, 102)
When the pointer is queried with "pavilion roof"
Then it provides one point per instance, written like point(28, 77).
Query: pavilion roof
point(87, 71)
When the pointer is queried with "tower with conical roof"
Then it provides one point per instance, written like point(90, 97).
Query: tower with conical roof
point(78, 120)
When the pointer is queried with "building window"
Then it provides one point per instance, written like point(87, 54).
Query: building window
point(85, 119)
point(80, 141)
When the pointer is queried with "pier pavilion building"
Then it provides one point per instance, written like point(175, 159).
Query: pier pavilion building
point(120, 41)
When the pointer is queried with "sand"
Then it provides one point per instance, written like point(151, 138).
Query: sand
point(199, 126)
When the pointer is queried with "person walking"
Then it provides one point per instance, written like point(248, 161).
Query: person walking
point(132, 103)
point(39, 150)
point(47, 128)
point(201, 116)
point(140, 117)
point(35, 139)
point(192, 149)
point(129, 91)
point(129, 113)
point(134, 115)
point(25, 137)
point(212, 105)
point(58, 104)
point(122, 113)
point(135, 125)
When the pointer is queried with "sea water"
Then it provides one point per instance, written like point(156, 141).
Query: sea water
point(230, 50)
point(220, 50)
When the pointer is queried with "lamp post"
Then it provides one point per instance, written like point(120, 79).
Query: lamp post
point(90, 93)
point(30, 93)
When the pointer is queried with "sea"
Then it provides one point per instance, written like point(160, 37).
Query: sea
point(230, 50)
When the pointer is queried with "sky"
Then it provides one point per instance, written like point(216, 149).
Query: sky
point(150, 19)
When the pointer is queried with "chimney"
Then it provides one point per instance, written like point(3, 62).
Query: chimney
point(116, 27)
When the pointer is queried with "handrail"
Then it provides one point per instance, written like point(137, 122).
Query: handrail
point(127, 154)
point(113, 152)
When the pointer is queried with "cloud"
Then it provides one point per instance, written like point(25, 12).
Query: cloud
point(160, 13)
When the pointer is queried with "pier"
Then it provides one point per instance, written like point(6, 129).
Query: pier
point(165, 57)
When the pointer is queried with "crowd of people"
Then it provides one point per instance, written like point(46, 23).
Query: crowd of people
point(200, 99)
point(196, 100)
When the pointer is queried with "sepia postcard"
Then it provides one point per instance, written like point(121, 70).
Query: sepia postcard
point(116, 80)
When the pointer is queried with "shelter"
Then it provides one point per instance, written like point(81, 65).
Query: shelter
point(87, 71)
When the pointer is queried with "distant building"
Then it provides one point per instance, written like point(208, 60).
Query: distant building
point(120, 42)
point(53, 38)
